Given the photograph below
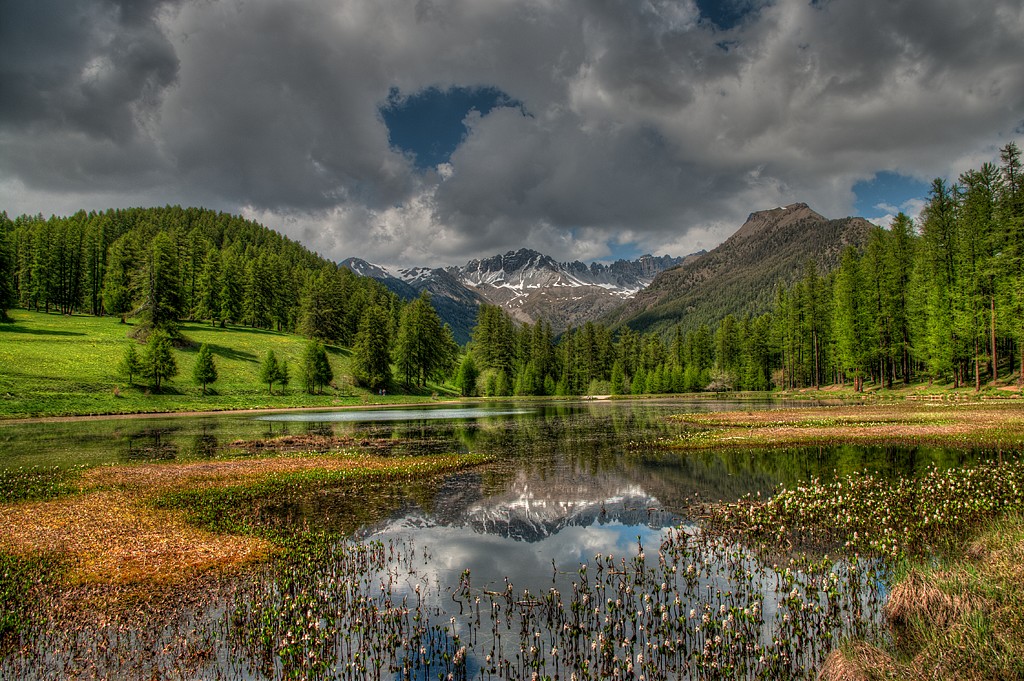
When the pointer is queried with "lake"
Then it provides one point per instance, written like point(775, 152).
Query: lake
point(575, 552)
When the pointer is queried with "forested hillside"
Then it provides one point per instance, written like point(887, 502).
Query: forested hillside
point(742, 275)
point(217, 267)
point(162, 266)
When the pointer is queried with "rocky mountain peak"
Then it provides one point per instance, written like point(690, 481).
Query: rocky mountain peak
point(776, 218)
point(526, 283)
point(742, 274)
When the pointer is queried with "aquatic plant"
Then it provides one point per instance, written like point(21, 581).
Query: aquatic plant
point(880, 516)
point(37, 483)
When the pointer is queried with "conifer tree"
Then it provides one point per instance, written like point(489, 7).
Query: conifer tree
point(230, 290)
point(465, 380)
point(850, 319)
point(900, 268)
point(158, 360)
point(8, 297)
point(205, 371)
point(320, 309)
point(316, 367)
point(118, 284)
point(209, 289)
point(270, 371)
point(371, 354)
point(162, 286)
point(130, 365)
point(424, 348)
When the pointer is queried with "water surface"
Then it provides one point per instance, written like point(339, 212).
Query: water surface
point(571, 484)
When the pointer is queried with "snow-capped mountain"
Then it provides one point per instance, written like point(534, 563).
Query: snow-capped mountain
point(366, 269)
point(528, 284)
point(531, 513)
point(524, 270)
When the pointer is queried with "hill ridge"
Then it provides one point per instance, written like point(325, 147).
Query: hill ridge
point(742, 274)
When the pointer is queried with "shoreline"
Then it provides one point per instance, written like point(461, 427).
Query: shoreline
point(219, 412)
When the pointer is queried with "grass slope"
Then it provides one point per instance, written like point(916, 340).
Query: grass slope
point(55, 365)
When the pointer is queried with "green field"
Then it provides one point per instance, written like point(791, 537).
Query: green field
point(54, 365)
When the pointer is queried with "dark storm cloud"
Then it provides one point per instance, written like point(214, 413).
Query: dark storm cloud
point(89, 67)
point(640, 122)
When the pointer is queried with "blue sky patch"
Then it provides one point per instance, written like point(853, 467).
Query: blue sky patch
point(429, 124)
point(726, 14)
point(887, 190)
point(626, 251)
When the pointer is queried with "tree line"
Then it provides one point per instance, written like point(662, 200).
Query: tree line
point(170, 264)
point(162, 266)
point(941, 300)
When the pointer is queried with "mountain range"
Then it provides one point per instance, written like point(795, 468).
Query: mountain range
point(651, 293)
point(527, 284)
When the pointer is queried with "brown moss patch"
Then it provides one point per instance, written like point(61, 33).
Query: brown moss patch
point(110, 533)
point(918, 599)
point(167, 477)
point(110, 537)
point(895, 423)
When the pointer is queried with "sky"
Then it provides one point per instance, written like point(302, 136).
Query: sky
point(430, 132)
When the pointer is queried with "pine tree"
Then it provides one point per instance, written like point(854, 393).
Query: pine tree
point(230, 290)
point(8, 297)
point(465, 381)
point(850, 320)
point(204, 372)
point(209, 288)
point(938, 232)
point(320, 310)
point(158, 360)
point(618, 378)
point(118, 282)
point(270, 371)
point(1011, 218)
point(900, 256)
point(316, 367)
point(130, 365)
point(424, 348)
point(162, 287)
point(371, 354)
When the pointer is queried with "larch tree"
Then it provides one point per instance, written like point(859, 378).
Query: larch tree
point(8, 296)
point(270, 371)
point(131, 364)
point(371, 353)
point(205, 371)
point(424, 348)
point(316, 367)
point(158, 360)
point(162, 284)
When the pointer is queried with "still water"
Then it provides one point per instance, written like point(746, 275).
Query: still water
point(572, 484)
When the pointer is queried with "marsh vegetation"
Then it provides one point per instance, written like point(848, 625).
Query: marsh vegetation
point(570, 540)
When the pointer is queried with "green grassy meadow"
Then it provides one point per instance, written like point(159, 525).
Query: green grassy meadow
point(56, 365)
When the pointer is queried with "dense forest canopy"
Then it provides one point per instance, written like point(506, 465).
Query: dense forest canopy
point(941, 300)
point(172, 263)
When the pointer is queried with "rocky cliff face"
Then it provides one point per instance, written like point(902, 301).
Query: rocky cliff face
point(527, 284)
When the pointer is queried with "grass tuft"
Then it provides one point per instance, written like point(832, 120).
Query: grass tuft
point(857, 661)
